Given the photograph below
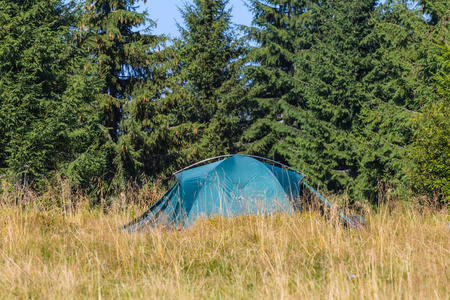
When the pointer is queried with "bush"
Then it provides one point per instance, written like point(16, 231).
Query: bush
point(430, 151)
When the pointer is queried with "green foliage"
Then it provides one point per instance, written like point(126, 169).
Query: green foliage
point(316, 66)
point(122, 56)
point(210, 70)
point(430, 151)
point(408, 32)
point(47, 119)
point(340, 74)
point(338, 89)
point(337, 84)
point(408, 63)
point(278, 29)
point(189, 108)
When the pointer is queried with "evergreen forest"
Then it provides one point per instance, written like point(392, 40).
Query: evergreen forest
point(355, 94)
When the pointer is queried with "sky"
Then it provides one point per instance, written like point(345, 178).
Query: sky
point(166, 14)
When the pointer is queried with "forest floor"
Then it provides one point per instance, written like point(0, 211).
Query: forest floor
point(404, 252)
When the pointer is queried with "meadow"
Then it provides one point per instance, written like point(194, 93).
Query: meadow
point(74, 251)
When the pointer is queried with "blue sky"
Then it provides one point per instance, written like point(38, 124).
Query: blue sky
point(166, 13)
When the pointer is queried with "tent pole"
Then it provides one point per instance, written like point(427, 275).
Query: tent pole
point(276, 162)
point(248, 155)
point(205, 160)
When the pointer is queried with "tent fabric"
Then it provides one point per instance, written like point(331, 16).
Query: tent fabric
point(236, 186)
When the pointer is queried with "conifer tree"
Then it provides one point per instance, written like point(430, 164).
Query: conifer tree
point(409, 32)
point(319, 59)
point(340, 72)
point(46, 114)
point(125, 57)
point(430, 148)
point(190, 109)
point(279, 31)
point(210, 53)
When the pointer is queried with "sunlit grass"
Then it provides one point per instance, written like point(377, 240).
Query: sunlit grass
point(403, 253)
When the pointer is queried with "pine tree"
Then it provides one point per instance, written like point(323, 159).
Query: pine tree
point(430, 148)
point(340, 75)
point(126, 58)
point(408, 31)
point(210, 53)
point(191, 107)
point(279, 31)
point(47, 118)
point(151, 129)
point(316, 65)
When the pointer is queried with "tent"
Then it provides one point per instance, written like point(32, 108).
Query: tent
point(236, 185)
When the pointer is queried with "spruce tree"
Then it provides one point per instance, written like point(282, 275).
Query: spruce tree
point(316, 64)
point(279, 31)
point(430, 148)
point(210, 53)
point(122, 46)
point(46, 112)
point(409, 32)
point(340, 76)
point(191, 107)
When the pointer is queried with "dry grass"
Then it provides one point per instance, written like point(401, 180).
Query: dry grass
point(403, 253)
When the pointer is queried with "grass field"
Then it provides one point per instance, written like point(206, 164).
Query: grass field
point(403, 253)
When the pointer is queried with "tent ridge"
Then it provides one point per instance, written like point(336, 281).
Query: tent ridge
point(202, 161)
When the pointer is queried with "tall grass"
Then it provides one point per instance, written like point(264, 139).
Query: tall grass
point(74, 251)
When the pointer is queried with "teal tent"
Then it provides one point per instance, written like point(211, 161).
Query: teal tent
point(236, 185)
